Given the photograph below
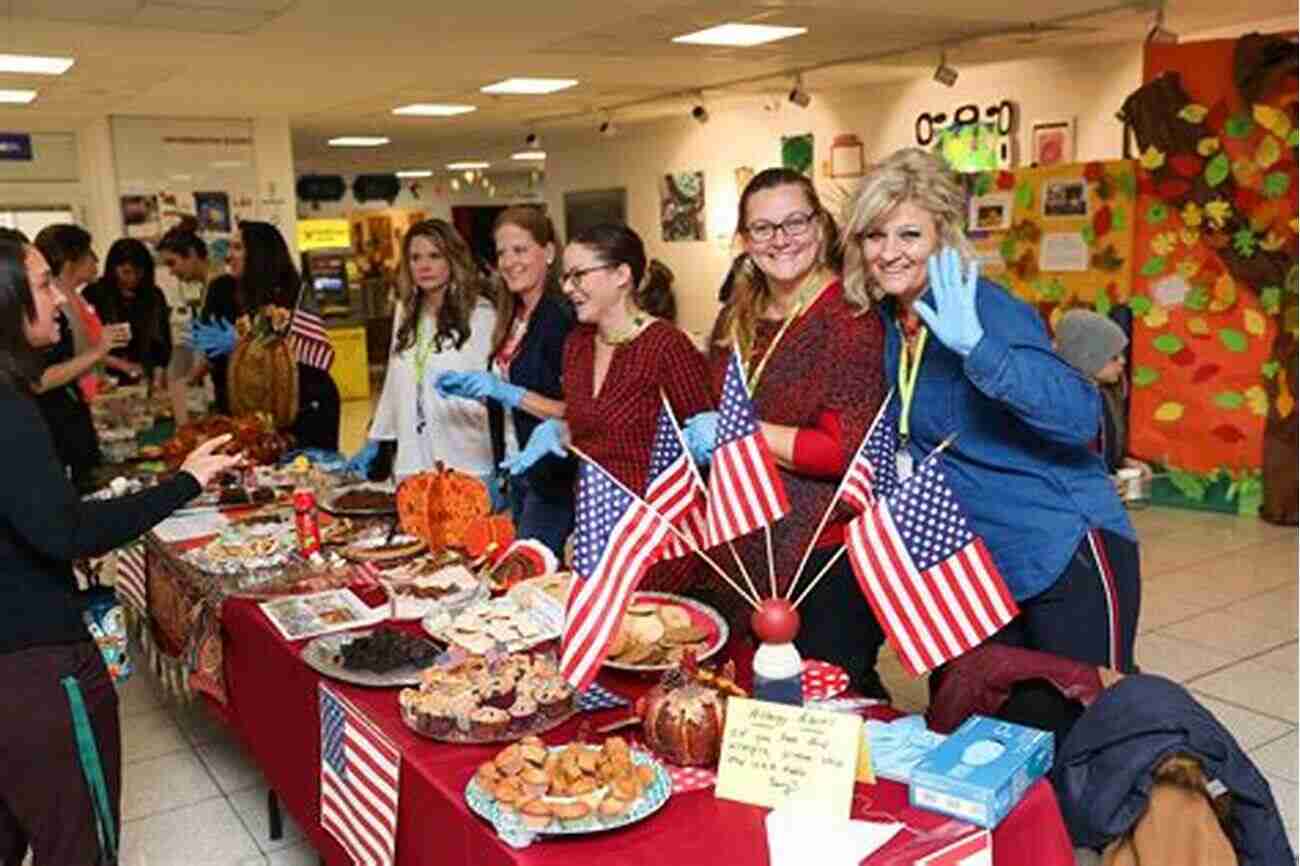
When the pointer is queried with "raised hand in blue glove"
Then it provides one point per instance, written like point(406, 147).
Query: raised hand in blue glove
point(359, 463)
point(953, 318)
point(701, 435)
point(215, 339)
point(479, 385)
point(549, 437)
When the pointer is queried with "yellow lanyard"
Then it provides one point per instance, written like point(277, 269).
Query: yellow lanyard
point(909, 365)
point(805, 302)
point(424, 341)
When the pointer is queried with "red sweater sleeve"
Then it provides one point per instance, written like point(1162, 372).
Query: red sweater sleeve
point(819, 450)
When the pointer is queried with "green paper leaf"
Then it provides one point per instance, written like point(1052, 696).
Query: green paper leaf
point(1232, 339)
point(1089, 235)
point(1250, 495)
point(1140, 304)
point(1229, 400)
point(1217, 170)
point(1102, 303)
point(983, 183)
point(1276, 184)
point(1293, 138)
point(1153, 266)
point(1167, 344)
point(1196, 299)
point(1157, 213)
point(1192, 485)
point(1244, 242)
point(1238, 126)
point(1007, 249)
point(1024, 195)
point(1143, 376)
point(1269, 369)
point(1053, 290)
point(1127, 183)
point(1270, 298)
point(1119, 219)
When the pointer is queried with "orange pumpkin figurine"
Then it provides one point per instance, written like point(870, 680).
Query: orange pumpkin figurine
point(438, 506)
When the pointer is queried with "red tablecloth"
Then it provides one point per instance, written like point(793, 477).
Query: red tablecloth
point(273, 708)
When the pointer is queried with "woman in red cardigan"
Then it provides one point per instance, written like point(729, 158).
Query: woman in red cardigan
point(812, 359)
point(617, 361)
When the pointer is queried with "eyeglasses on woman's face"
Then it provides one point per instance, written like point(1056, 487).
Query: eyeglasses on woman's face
point(796, 225)
point(575, 276)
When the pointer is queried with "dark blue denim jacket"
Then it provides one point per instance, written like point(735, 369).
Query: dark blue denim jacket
point(1022, 464)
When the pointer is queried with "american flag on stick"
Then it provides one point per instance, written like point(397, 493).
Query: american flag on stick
point(674, 488)
point(307, 335)
point(360, 781)
point(873, 474)
point(930, 580)
point(745, 492)
point(617, 539)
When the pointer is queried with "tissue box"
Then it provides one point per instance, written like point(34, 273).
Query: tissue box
point(982, 771)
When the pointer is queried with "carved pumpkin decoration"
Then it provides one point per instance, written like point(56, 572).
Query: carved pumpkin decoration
point(490, 534)
point(437, 507)
point(263, 377)
point(683, 717)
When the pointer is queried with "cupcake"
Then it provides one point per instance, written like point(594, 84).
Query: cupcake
point(523, 714)
point(613, 809)
point(553, 701)
point(572, 814)
point(489, 723)
point(536, 814)
point(498, 692)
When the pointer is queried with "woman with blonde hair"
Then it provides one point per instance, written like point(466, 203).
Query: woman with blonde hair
point(522, 385)
point(811, 351)
point(443, 324)
point(969, 359)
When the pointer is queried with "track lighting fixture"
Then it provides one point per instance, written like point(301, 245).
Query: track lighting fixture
point(1158, 32)
point(607, 127)
point(532, 140)
point(798, 95)
point(700, 113)
point(943, 73)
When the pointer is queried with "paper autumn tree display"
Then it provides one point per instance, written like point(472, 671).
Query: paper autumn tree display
point(1215, 239)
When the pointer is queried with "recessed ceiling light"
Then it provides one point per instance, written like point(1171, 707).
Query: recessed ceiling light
point(358, 141)
point(529, 155)
point(467, 165)
point(415, 172)
point(530, 85)
point(17, 97)
point(228, 163)
point(431, 109)
point(33, 64)
point(740, 35)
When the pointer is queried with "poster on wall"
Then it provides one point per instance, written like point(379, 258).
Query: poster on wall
point(140, 217)
point(1051, 142)
point(991, 212)
point(213, 210)
point(797, 153)
point(1066, 198)
point(681, 206)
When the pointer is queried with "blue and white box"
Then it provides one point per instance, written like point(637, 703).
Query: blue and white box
point(980, 773)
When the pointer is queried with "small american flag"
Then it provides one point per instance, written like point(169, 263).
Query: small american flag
point(745, 492)
point(874, 473)
point(674, 488)
point(616, 540)
point(307, 335)
point(360, 781)
point(131, 581)
point(928, 577)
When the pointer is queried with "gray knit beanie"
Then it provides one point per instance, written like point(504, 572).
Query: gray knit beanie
point(1087, 340)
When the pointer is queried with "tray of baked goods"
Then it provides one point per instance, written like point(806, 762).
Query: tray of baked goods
point(568, 790)
point(496, 625)
point(659, 628)
point(360, 500)
point(480, 699)
point(382, 657)
point(382, 547)
point(426, 585)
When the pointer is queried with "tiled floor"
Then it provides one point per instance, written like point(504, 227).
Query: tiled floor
point(1219, 614)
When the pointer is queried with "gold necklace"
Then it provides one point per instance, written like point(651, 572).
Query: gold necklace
point(627, 335)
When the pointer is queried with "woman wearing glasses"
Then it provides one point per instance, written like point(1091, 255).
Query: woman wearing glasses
point(812, 356)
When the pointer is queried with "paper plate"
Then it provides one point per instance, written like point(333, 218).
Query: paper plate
point(701, 615)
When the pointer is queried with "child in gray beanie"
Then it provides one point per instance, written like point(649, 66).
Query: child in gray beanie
point(1094, 345)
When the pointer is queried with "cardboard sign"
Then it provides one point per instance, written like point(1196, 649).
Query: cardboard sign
point(773, 754)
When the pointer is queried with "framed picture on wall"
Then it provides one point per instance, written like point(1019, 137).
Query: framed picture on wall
point(591, 207)
point(1051, 142)
point(991, 212)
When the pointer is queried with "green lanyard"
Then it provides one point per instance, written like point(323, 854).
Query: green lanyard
point(423, 348)
point(909, 366)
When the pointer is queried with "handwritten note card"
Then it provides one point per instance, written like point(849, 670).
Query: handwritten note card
point(773, 754)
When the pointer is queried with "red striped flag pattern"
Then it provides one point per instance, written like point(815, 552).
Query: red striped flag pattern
point(617, 538)
point(874, 471)
point(360, 781)
point(674, 488)
point(308, 337)
point(745, 492)
point(132, 579)
point(930, 580)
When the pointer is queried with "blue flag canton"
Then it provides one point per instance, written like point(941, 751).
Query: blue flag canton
point(332, 722)
point(736, 418)
point(881, 449)
point(929, 518)
point(601, 502)
point(667, 448)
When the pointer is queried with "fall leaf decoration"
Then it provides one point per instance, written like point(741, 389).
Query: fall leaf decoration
point(1152, 158)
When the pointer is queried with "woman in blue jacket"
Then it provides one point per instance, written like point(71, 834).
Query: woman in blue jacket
point(967, 358)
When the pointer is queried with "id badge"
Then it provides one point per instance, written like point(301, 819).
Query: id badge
point(903, 462)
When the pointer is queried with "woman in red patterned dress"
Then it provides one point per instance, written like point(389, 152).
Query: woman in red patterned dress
point(812, 359)
point(617, 362)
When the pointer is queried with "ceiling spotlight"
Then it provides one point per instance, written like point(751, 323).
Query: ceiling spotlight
point(607, 127)
point(798, 95)
point(943, 73)
point(700, 113)
point(1158, 32)
point(532, 140)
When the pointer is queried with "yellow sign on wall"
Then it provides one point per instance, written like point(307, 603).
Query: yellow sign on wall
point(323, 234)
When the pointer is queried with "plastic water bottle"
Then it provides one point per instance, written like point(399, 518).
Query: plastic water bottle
point(778, 674)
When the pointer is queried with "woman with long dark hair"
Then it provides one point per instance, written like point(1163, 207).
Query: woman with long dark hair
point(127, 293)
point(46, 653)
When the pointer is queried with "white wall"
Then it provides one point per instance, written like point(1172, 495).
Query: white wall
point(1089, 85)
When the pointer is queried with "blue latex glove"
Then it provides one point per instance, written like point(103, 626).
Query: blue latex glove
point(549, 437)
point(701, 435)
point(359, 463)
point(216, 339)
point(479, 385)
point(955, 321)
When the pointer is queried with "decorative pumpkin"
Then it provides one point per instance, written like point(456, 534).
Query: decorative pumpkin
point(490, 534)
point(263, 372)
point(683, 717)
point(437, 507)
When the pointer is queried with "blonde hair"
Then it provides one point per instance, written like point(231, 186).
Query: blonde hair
point(909, 175)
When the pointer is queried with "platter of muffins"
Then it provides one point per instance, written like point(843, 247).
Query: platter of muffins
point(488, 700)
point(572, 789)
point(659, 628)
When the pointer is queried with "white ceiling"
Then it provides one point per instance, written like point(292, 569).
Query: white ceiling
point(336, 67)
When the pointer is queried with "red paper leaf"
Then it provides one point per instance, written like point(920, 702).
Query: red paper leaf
point(1173, 188)
point(1146, 184)
point(1186, 164)
point(1246, 199)
point(1205, 373)
point(1092, 172)
point(1228, 434)
point(1101, 221)
point(1183, 357)
point(1217, 117)
point(1006, 180)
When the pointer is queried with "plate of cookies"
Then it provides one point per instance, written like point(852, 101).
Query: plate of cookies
point(568, 790)
point(659, 628)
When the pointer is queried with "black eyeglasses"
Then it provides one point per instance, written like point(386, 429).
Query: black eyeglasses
point(795, 226)
point(575, 276)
